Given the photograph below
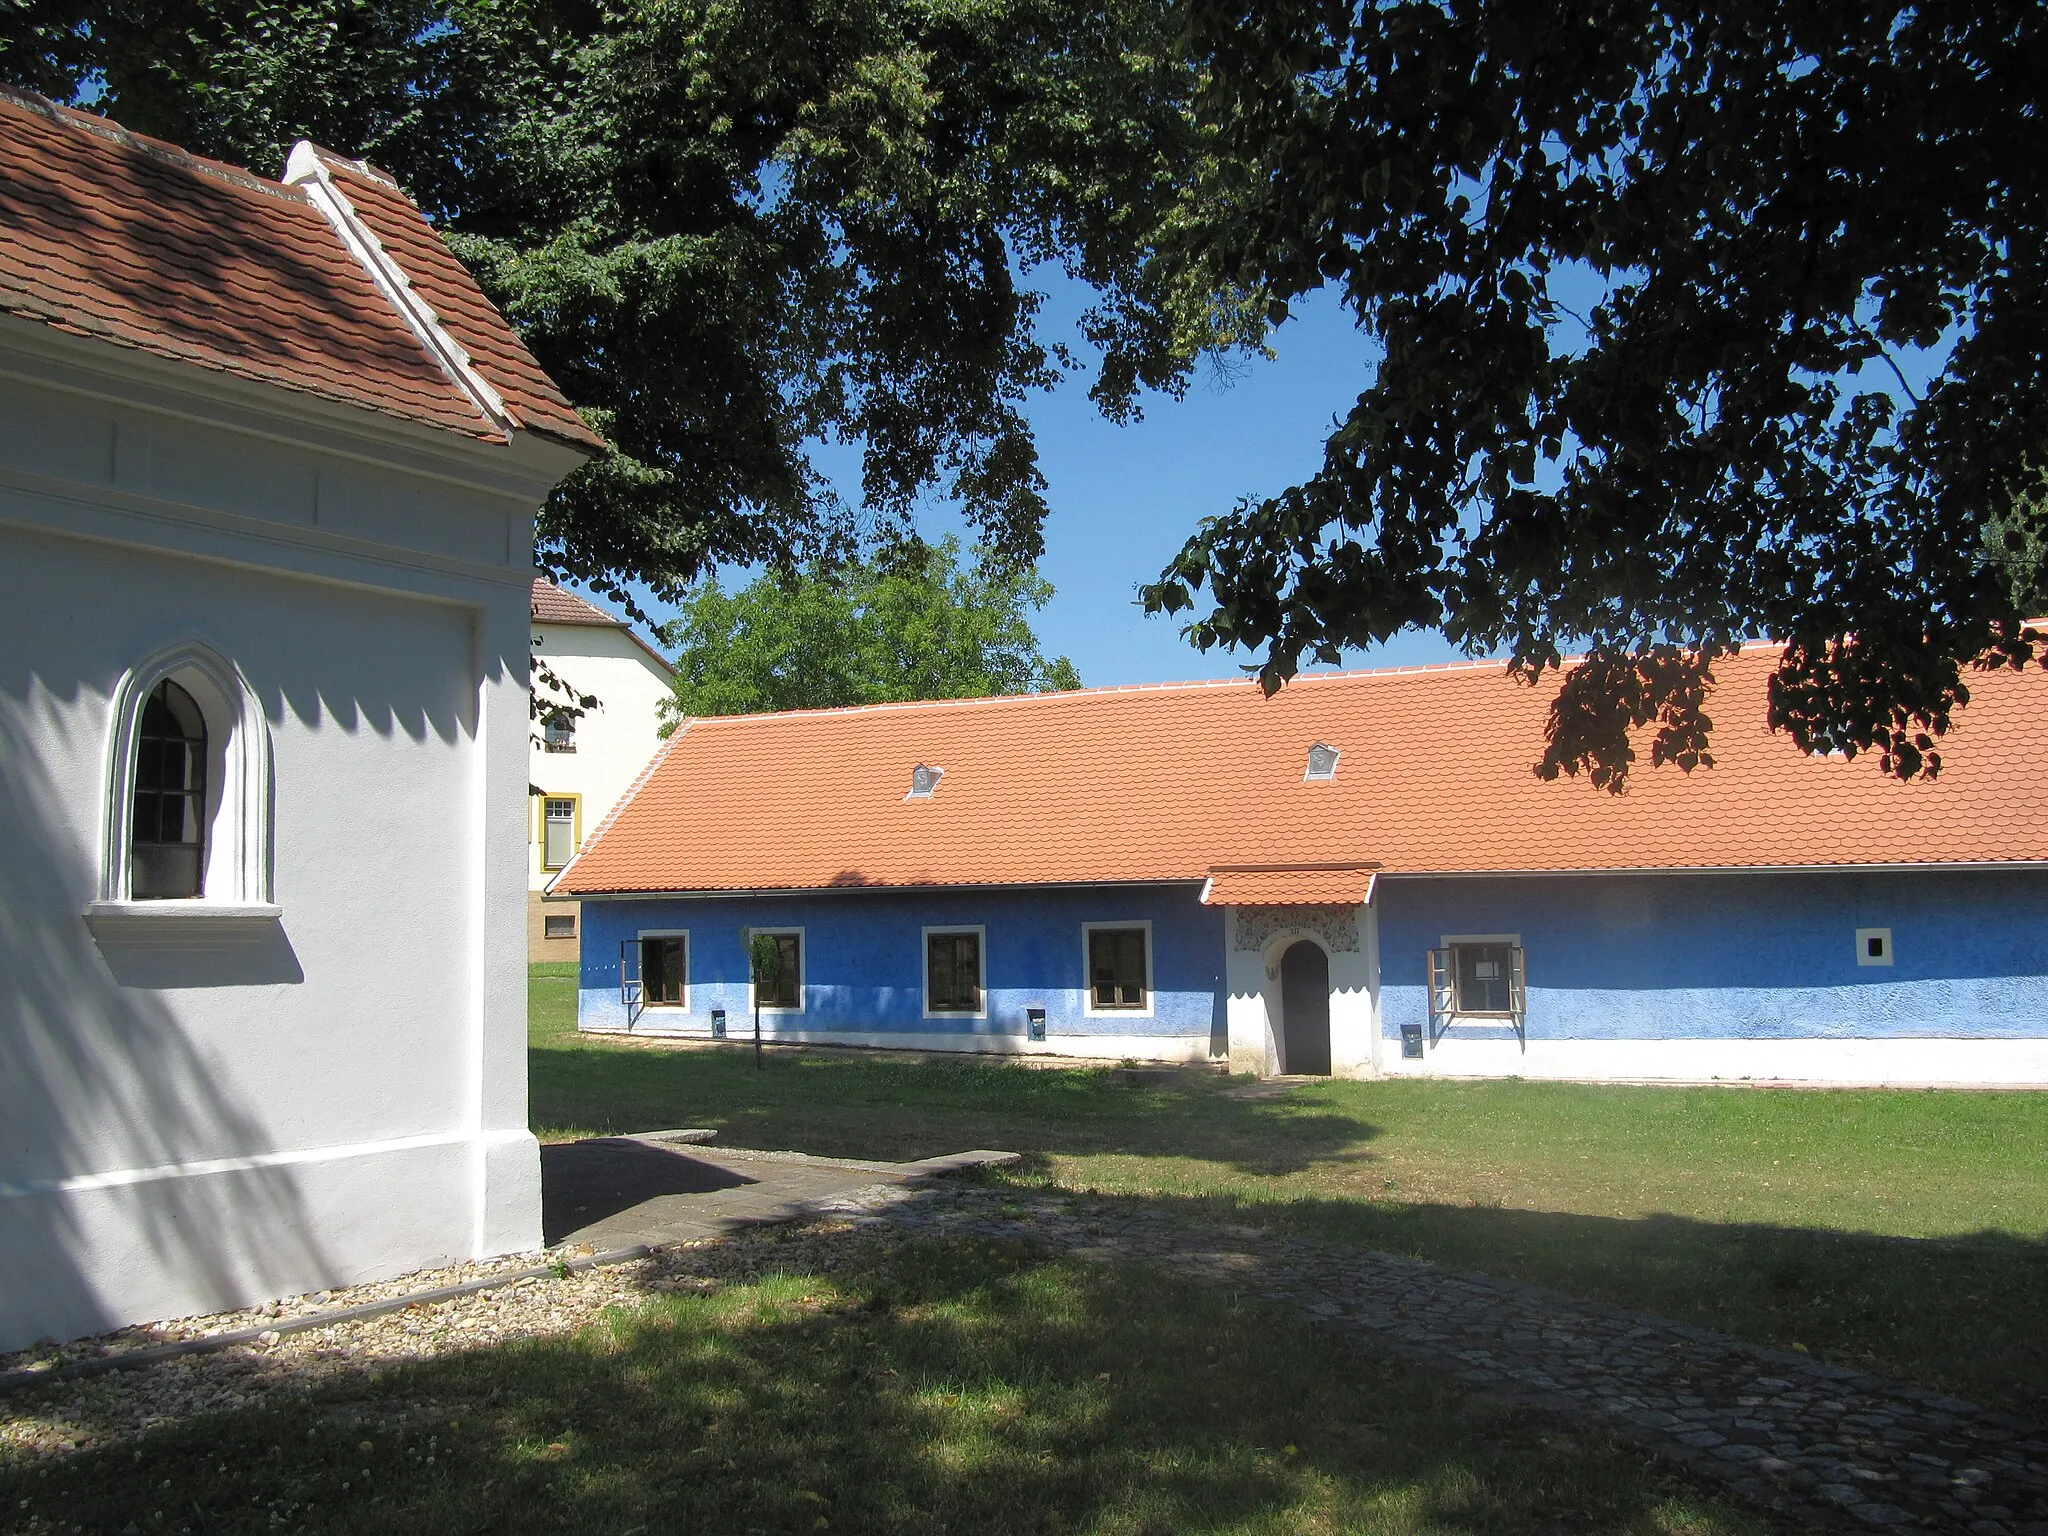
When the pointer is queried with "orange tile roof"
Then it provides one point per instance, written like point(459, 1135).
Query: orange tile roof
point(108, 234)
point(1168, 783)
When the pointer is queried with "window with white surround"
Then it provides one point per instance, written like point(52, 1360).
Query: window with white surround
point(188, 795)
point(1873, 946)
point(665, 970)
point(1481, 978)
point(1118, 957)
point(784, 991)
point(954, 981)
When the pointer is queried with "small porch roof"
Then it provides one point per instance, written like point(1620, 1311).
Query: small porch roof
point(1290, 885)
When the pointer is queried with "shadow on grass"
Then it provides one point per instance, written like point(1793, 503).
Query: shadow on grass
point(1962, 1314)
point(871, 1107)
point(933, 1388)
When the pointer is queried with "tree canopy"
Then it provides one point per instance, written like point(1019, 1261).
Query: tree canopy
point(729, 230)
point(912, 625)
point(1696, 322)
point(1691, 323)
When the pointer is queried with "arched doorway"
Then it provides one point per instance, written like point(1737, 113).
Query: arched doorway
point(1305, 1009)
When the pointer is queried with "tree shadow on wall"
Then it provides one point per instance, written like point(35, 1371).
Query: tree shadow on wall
point(101, 1078)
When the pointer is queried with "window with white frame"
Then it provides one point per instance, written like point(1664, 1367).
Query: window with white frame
point(1119, 967)
point(783, 986)
point(188, 791)
point(664, 969)
point(952, 971)
point(558, 830)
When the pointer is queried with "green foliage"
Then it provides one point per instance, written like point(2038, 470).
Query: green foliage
point(729, 230)
point(909, 625)
point(1655, 285)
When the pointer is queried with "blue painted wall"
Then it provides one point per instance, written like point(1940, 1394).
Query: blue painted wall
point(1745, 956)
point(864, 960)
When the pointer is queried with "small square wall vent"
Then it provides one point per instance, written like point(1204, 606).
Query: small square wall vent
point(1873, 946)
point(923, 781)
point(1322, 763)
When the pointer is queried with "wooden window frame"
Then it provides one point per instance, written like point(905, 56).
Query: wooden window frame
point(1453, 942)
point(1089, 1010)
point(958, 930)
point(803, 966)
point(681, 1004)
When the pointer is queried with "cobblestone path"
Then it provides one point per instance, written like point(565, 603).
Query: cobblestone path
point(1822, 1445)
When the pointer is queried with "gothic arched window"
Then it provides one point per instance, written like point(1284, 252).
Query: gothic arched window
point(167, 845)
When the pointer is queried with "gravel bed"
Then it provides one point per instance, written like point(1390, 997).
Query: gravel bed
point(38, 1422)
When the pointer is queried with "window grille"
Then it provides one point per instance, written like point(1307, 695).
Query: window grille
point(167, 846)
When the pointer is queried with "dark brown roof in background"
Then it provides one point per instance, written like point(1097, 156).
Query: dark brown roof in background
point(108, 234)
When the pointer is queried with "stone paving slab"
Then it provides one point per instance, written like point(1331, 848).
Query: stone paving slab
point(1825, 1446)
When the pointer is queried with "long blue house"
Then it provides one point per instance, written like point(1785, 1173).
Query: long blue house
point(1361, 875)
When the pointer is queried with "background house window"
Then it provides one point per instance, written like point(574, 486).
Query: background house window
point(952, 972)
point(558, 732)
point(558, 926)
point(786, 989)
point(558, 831)
point(1480, 977)
point(663, 958)
point(1116, 967)
point(167, 846)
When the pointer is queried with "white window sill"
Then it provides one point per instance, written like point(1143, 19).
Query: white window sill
point(185, 924)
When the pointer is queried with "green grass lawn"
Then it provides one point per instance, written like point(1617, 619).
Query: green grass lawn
point(1903, 1231)
point(926, 1390)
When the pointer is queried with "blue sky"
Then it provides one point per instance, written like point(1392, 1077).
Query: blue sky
point(1124, 499)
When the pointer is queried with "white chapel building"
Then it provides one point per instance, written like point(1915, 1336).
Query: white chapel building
point(268, 469)
point(582, 762)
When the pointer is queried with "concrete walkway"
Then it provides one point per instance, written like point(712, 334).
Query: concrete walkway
point(667, 1187)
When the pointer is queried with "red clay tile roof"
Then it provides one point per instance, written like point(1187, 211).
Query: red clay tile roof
point(551, 605)
point(108, 234)
point(1168, 783)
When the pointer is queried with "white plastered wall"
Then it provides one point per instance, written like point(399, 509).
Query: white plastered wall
point(205, 1116)
point(614, 740)
point(1257, 938)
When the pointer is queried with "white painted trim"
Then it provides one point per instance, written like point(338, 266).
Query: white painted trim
point(757, 892)
point(124, 1178)
point(1154, 1048)
point(177, 924)
point(1088, 1008)
point(1445, 941)
point(665, 933)
point(1919, 1062)
point(239, 812)
point(1863, 954)
point(803, 972)
point(306, 168)
point(980, 932)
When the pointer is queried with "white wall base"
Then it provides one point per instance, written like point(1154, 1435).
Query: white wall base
point(84, 1254)
point(1912, 1062)
point(1161, 1048)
